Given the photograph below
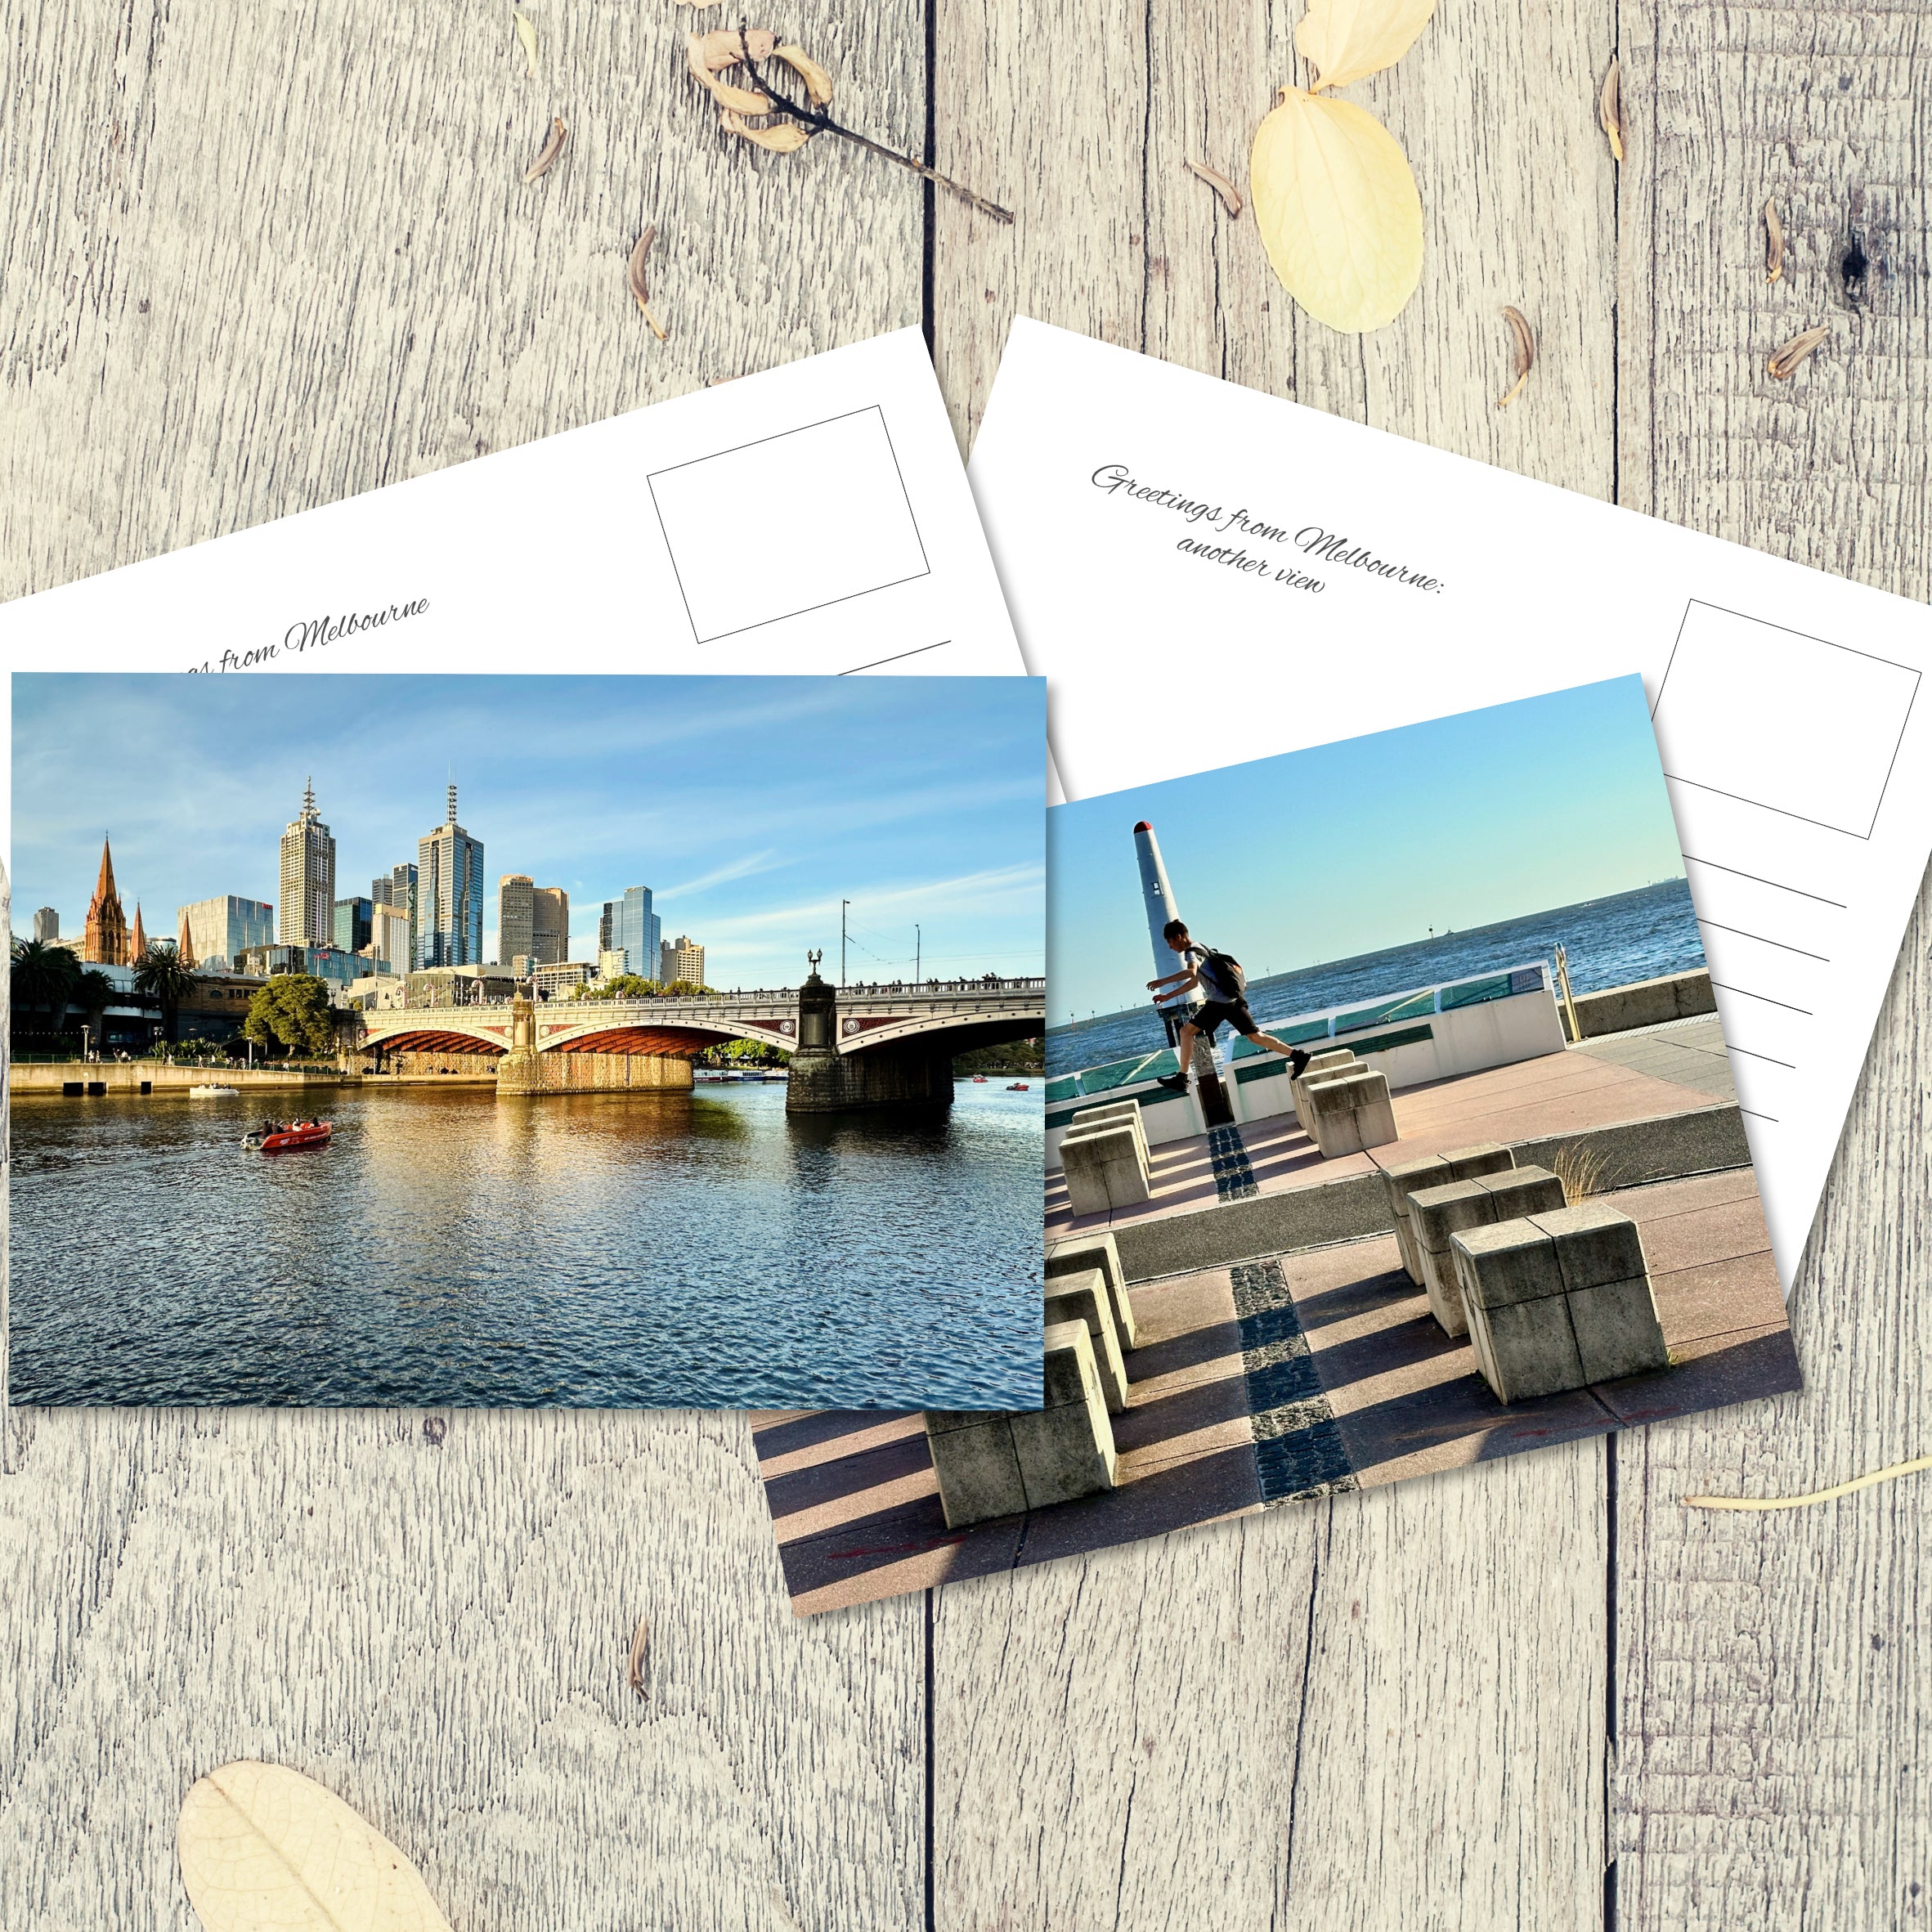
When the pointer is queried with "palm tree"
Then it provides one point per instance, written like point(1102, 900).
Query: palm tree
point(94, 992)
point(43, 979)
point(162, 979)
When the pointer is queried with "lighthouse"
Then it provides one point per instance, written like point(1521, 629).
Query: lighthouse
point(1157, 900)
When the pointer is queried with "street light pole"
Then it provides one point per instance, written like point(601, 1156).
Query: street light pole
point(917, 942)
point(843, 904)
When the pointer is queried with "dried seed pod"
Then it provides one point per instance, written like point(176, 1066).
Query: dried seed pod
point(818, 82)
point(1230, 195)
point(731, 47)
point(547, 153)
point(527, 39)
point(640, 1644)
point(1773, 243)
point(743, 100)
point(640, 292)
point(1524, 343)
point(785, 137)
point(1610, 109)
point(1785, 362)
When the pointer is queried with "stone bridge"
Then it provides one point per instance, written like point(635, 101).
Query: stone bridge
point(850, 1046)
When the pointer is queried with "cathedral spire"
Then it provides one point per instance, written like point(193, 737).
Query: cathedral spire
point(184, 944)
point(137, 943)
point(104, 940)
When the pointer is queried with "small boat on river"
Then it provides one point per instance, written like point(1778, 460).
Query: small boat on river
point(215, 1092)
point(1016, 1086)
point(273, 1138)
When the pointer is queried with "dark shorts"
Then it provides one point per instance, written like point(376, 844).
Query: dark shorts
point(1210, 1015)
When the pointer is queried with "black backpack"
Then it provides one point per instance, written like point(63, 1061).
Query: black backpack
point(1226, 980)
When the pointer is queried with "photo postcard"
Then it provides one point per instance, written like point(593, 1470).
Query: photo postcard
point(1389, 1129)
point(538, 1040)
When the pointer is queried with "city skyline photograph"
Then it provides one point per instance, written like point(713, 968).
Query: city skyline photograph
point(748, 813)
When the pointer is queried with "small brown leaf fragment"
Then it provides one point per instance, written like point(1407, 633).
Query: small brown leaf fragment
point(1773, 243)
point(782, 137)
point(640, 1644)
point(727, 47)
point(1524, 343)
point(1610, 109)
point(1230, 195)
point(1785, 362)
point(818, 82)
point(547, 155)
point(640, 292)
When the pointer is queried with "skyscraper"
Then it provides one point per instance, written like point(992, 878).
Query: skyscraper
point(46, 925)
point(307, 913)
point(681, 958)
point(104, 938)
point(220, 929)
point(449, 895)
point(550, 925)
point(352, 923)
point(396, 888)
point(629, 927)
point(516, 908)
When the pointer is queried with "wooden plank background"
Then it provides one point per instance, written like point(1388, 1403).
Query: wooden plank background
point(255, 259)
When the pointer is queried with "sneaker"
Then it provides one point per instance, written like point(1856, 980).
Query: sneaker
point(1297, 1062)
point(1174, 1082)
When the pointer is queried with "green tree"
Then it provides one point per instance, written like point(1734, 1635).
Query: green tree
point(160, 978)
point(292, 1010)
point(43, 980)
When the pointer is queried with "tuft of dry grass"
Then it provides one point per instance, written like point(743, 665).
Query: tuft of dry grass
point(1582, 1170)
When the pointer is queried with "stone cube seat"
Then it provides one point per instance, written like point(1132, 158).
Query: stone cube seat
point(1334, 1062)
point(1109, 1113)
point(1084, 1298)
point(1106, 1168)
point(1558, 1299)
point(1400, 1181)
point(1437, 1214)
point(1073, 1254)
point(1350, 1113)
point(1002, 1462)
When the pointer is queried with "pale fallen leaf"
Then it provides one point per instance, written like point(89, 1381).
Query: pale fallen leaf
point(782, 138)
point(745, 99)
point(1785, 360)
point(1346, 40)
point(818, 82)
point(527, 39)
point(1609, 108)
point(1523, 342)
point(1338, 210)
point(266, 1849)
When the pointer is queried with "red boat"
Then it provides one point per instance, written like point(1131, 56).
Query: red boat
point(301, 1133)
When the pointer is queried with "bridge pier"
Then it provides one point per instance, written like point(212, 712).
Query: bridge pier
point(825, 1081)
point(525, 1070)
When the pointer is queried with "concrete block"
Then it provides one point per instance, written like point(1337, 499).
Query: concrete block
point(1336, 1061)
point(978, 1466)
point(1399, 1181)
point(1083, 1297)
point(1435, 1215)
point(1350, 1112)
point(1595, 1243)
point(1109, 1113)
point(1104, 1169)
point(1521, 1191)
point(1526, 1348)
point(1484, 1157)
point(1616, 1329)
point(1506, 1262)
point(1074, 1254)
point(1066, 1448)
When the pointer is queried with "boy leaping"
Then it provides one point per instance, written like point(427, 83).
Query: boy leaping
point(1219, 978)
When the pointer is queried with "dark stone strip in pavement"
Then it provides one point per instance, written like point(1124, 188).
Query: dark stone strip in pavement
point(1299, 1451)
point(1234, 1176)
point(1668, 1148)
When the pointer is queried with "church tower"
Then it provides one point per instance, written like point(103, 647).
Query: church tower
point(104, 940)
point(138, 942)
point(184, 944)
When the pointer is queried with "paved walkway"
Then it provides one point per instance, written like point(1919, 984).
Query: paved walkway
point(1559, 1093)
point(1686, 1052)
point(1294, 1375)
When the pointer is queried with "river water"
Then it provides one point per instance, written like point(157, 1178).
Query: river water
point(1611, 942)
point(594, 1250)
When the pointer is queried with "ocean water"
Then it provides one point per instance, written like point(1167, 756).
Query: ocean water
point(1633, 935)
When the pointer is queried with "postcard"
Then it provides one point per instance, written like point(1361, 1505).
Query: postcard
point(543, 1039)
point(1390, 1129)
point(1206, 574)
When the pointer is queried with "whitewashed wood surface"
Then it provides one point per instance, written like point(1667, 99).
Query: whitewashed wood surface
point(254, 259)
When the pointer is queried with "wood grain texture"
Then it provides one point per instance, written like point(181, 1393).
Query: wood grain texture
point(1774, 1688)
point(256, 260)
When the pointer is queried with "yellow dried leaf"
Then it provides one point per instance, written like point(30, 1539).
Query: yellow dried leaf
point(741, 99)
point(818, 82)
point(527, 39)
point(1338, 210)
point(266, 1849)
point(728, 46)
point(1609, 108)
point(782, 137)
point(1346, 40)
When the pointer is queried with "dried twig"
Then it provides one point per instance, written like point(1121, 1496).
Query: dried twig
point(1774, 243)
point(547, 153)
point(1816, 1496)
point(640, 1644)
point(1230, 195)
point(1609, 108)
point(1785, 362)
point(1524, 343)
point(640, 292)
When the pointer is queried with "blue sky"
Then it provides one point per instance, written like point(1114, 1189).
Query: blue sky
point(750, 806)
point(1347, 847)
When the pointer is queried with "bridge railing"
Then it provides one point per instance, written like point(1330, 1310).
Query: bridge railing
point(988, 985)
